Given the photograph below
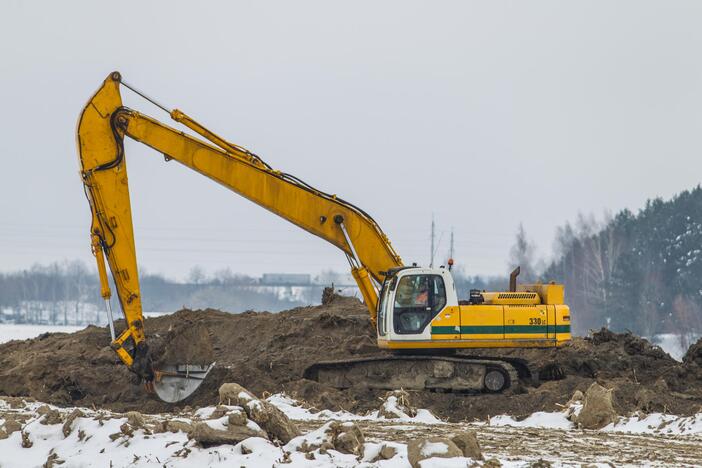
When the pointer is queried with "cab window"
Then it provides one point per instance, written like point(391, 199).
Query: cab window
point(418, 298)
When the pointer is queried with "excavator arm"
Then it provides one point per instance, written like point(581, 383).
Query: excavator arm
point(102, 127)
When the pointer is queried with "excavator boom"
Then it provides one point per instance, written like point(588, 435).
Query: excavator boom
point(102, 126)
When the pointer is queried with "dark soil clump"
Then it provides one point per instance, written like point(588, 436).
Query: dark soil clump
point(268, 353)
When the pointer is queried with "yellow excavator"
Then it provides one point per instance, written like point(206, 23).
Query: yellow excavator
point(416, 311)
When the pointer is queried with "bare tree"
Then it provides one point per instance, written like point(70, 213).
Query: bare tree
point(196, 275)
point(687, 315)
point(522, 255)
point(650, 297)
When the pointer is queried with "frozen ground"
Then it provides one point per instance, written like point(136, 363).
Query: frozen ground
point(99, 438)
point(10, 332)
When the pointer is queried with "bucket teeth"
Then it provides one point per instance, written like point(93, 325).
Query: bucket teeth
point(177, 382)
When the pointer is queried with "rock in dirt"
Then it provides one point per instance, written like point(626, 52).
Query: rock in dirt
point(9, 426)
point(468, 443)
point(26, 441)
point(52, 417)
point(68, 423)
point(270, 418)
point(208, 436)
point(344, 437)
point(219, 411)
point(396, 404)
point(598, 410)
point(440, 447)
point(231, 393)
point(53, 461)
point(386, 453)
point(136, 419)
point(237, 418)
point(347, 437)
point(175, 425)
point(577, 397)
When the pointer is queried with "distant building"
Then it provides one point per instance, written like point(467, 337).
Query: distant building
point(296, 279)
point(328, 278)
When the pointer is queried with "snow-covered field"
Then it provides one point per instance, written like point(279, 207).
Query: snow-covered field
point(101, 438)
point(10, 332)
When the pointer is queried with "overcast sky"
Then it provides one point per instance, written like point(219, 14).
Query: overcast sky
point(485, 114)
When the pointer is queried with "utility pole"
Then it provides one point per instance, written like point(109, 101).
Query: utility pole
point(433, 234)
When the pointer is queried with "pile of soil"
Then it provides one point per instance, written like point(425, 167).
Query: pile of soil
point(268, 353)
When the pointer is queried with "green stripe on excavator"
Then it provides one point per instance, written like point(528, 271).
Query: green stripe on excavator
point(499, 330)
point(444, 331)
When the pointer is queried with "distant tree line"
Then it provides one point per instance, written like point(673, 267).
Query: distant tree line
point(51, 293)
point(68, 293)
point(631, 271)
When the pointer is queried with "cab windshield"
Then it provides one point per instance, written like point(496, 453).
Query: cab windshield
point(418, 298)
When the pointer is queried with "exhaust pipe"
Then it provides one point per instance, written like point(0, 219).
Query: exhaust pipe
point(513, 279)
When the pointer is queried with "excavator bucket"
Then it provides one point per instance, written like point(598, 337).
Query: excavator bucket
point(175, 383)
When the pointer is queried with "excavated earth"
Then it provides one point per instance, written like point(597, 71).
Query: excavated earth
point(268, 352)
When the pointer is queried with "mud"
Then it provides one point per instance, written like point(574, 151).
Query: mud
point(268, 353)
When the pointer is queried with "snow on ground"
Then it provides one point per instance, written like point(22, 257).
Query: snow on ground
point(654, 423)
point(102, 438)
point(539, 419)
point(658, 423)
point(294, 410)
point(10, 332)
point(99, 438)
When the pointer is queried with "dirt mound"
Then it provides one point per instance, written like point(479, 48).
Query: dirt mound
point(263, 351)
point(268, 352)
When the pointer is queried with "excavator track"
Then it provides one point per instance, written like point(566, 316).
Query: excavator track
point(417, 372)
point(528, 371)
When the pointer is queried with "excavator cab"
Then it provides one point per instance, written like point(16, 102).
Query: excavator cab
point(419, 309)
point(410, 299)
